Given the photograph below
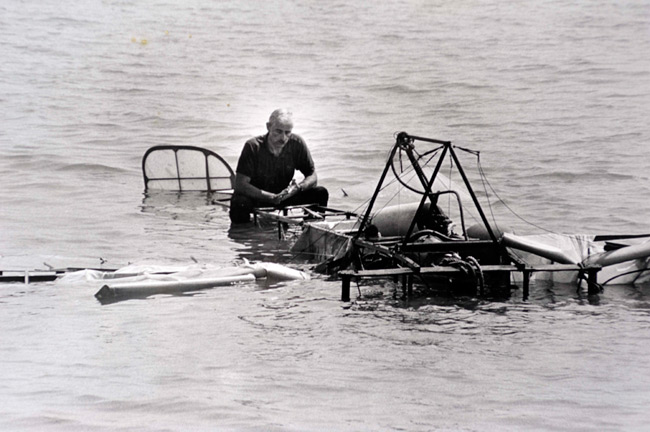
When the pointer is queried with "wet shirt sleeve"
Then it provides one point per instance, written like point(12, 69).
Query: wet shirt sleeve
point(246, 163)
point(304, 161)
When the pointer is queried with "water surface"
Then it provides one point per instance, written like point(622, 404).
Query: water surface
point(555, 96)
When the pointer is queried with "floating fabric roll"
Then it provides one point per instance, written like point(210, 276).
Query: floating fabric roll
point(147, 288)
point(115, 291)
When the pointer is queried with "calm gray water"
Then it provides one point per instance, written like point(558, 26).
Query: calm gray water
point(555, 95)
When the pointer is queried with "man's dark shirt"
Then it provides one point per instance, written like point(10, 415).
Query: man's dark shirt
point(274, 173)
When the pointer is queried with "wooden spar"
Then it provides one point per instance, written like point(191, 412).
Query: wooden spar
point(412, 265)
point(291, 220)
point(311, 211)
point(28, 276)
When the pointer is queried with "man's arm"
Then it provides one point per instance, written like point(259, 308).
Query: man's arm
point(305, 164)
point(243, 186)
point(309, 182)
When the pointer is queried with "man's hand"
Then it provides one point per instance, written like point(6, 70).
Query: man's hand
point(288, 192)
point(278, 198)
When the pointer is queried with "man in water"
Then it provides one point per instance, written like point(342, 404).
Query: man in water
point(264, 175)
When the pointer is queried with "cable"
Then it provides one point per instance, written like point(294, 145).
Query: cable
point(485, 179)
point(640, 271)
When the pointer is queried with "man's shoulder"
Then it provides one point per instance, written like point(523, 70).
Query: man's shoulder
point(255, 142)
point(298, 140)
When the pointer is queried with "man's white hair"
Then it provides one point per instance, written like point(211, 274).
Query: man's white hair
point(282, 115)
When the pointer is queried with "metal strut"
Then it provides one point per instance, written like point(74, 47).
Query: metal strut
point(448, 148)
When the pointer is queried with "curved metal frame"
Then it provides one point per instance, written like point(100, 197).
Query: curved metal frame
point(176, 148)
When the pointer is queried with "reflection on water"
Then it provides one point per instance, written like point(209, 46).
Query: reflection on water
point(200, 217)
point(174, 204)
point(376, 294)
point(266, 241)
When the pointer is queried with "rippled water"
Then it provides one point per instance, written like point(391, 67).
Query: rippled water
point(555, 96)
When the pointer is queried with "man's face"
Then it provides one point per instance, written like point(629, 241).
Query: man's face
point(279, 132)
